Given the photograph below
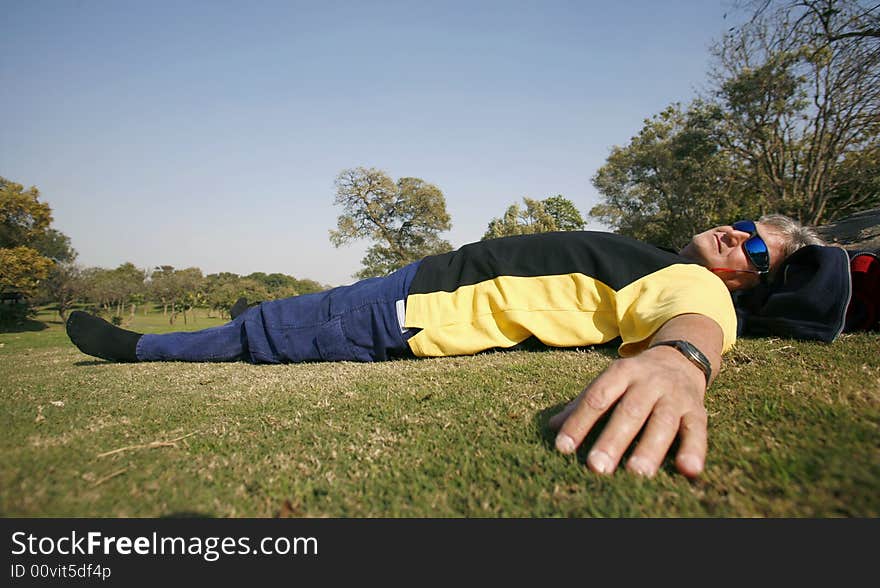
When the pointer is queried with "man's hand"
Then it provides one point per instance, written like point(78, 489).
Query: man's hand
point(660, 390)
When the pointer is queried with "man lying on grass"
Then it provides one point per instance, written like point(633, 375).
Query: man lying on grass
point(672, 312)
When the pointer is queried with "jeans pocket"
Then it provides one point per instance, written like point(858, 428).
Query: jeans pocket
point(333, 345)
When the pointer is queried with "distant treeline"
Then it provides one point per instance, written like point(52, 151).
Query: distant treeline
point(122, 291)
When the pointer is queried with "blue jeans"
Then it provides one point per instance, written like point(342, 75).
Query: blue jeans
point(358, 322)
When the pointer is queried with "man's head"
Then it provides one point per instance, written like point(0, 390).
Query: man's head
point(733, 252)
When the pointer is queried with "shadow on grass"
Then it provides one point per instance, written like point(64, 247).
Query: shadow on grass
point(187, 514)
point(25, 326)
point(547, 435)
point(86, 363)
point(541, 422)
point(534, 345)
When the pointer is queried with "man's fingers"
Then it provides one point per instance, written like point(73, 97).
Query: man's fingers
point(655, 442)
point(557, 419)
point(625, 423)
point(587, 409)
point(654, 394)
point(691, 455)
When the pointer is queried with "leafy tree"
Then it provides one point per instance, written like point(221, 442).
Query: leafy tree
point(275, 285)
point(112, 289)
point(182, 290)
point(857, 182)
point(23, 221)
point(792, 125)
point(223, 289)
point(23, 218)
point(189, 293)
point(161, 287)
point(532, 218)
point(565, 214)
point(556, 213)
point(139, 299)
point(55, 245)
point(64, 284)
point(800, 90)
point(128, 284)
point(307, 286)
point(403, 219)
point(21, 269)
point(671, 181)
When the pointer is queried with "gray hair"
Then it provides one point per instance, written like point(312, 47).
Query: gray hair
point(794, 234)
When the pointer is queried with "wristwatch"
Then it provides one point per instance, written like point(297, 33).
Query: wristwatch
point(690, 351)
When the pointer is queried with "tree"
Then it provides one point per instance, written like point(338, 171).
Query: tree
point(307, 286)
point(112, 289)
point(274, 286)
point(565, 214)
point(556, 213)
point(181, 289)
point(799, 84)
point(864, 22)
point(55, 245)
point(189, 284)
point(224, 289)
point(672, 180)
point(21, 269)
point(161, 286)
point(791, 125)
point(857, 183)
point(403, 219)
point(533, 218)
point(63, 285)
point(23, 220)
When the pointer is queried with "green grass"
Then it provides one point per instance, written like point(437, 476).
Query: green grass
point(793, 433)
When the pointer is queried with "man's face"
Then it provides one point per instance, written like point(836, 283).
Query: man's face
point(721, 247)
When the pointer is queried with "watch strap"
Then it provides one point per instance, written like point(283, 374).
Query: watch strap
point(690, 351)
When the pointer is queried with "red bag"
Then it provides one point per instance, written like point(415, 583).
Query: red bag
point(863, 312)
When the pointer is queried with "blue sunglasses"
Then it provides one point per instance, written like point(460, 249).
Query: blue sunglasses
point(755, 247)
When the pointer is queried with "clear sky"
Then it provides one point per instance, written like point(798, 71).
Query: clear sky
point(209, 133)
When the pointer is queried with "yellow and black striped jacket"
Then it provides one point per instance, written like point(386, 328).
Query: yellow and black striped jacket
point(566, 289)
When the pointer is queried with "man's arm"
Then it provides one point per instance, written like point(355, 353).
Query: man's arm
point(660, 387)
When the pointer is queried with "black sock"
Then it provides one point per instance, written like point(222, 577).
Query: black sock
point(95, 336)
point(239, 307)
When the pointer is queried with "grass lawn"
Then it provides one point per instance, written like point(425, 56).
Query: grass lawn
point(793, 432)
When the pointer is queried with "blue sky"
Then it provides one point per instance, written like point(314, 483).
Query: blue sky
point(209, 134)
